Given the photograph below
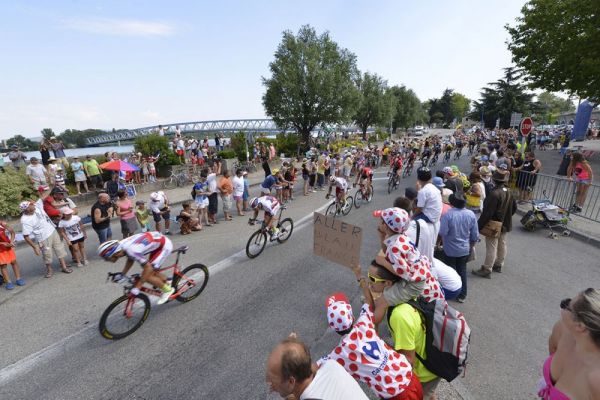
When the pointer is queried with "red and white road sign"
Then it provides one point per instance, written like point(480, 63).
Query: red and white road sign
point(526, 126)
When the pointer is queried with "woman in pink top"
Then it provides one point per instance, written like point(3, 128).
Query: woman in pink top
point(583, 177)
point(573, 369)
point(126, 213)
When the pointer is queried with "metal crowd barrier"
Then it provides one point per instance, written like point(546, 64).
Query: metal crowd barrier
point(558, 190)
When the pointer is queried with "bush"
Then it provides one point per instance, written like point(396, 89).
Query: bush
point(229, 153)
point(153, 144)
point(287, 143)
point(14, 187)
point(238, 145)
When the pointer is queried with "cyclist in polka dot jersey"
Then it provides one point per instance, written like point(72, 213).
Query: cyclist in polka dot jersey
point(365, 355)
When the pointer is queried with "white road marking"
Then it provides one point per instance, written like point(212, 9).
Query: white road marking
point(26, 364)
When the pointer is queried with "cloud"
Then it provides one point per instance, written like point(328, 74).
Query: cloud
point(119, 27)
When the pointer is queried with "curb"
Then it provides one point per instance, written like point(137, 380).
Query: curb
point(575, 234)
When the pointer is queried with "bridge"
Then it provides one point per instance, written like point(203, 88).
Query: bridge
point(233, 125)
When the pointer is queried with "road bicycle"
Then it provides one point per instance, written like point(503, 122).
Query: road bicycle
point(361, 195)
point(336, 208)
point(128, 313)
point(458, 153)
point(245, 166)
point(446, 157)
point(408, 170)
point(177, 179)
point(393, 181)
point(258, 240)
point(434, 159)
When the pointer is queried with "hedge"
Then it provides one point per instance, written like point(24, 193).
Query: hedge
point(14, 188)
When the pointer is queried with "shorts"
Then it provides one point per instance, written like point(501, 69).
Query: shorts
point(414, 390)
point(128, 226)
point(104, 234)
point(180, 152)
point(7, 256)
point(158, 216)
point(202, 202)
point(238, 198)
point(77, 241)
point(274, 211)
point(158, 257)
point(53, 243)
point(402, 291)
point(339, 191)
point(583, 181)
point(213, 203)
point(265, 190)
point(226, 202)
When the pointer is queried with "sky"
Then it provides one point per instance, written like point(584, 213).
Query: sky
point(130, 64)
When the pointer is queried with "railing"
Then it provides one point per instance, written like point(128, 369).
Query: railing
point(560, 191)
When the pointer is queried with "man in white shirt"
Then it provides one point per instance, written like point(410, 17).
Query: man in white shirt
point(37, 174)
point(429, 200)
point(159, 207)
point(290, 372)
point(238, 190)
point(39, 232)
point(213, 198)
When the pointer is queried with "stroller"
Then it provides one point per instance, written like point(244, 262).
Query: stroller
point(548, 215)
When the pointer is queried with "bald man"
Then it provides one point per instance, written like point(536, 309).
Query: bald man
point(102, 211)
point(290, 373)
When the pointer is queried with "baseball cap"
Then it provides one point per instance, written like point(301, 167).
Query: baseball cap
point(438, 182)
point(395, 218)
point(447, 170)
point(339, 312)
point(154, 196)
point(66, 210)
point(485, 171)
point(24, 204)
point(274, 171)
point(503, 167)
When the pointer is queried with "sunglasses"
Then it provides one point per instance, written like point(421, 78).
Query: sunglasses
point(375, 279)
point(565, 305)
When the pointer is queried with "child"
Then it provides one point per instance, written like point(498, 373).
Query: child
point(72, 230)
point(201, 193)
point(246, 194)
point(59, 179)
point(145, 172)
point(187, 223)
point(143, 215)
point(8, 256)
point(151, 169)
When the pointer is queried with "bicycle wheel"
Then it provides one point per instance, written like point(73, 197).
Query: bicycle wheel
point(358, 197)
point(124, 316)
point(390, 184)
point(331, 210)
point(190, 282)
point(347, 205)
point(256, 244)
point(286, 227)
point(170, 182)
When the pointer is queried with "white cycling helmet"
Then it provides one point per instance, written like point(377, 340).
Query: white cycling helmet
point(332, 178)
point(254, 202)
point(108, 248)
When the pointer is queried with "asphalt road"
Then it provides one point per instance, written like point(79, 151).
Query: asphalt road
point(215, 347)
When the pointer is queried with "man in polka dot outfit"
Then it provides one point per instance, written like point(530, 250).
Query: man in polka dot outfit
point(402, 258)
point(365, 355)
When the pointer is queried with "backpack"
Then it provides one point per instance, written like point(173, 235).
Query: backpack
point(447, 337)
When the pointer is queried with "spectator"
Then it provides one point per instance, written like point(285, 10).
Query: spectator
point(45, 152)
point(226, 190)
point(113, 186)
point(126, 213)
point(58, 149)
point(59, 180)
point(159, 205)
point(429, 199)
point(305, 176)
point(54, 202)
point(272, 152)
point(527, 176)
point(102, 211)
point(269, 182)
point(200, 193)
point(459, 233)
point(486, 179)
point(93, 171)
point(238, 191)
point(39, 232)
point(187, 221)
point(498, 206)
point(16, 157)
point(142, 215)
point(321, 171)
point(583, 178)
point(290, 374)
point(79, 175)
point(419, 232)
point(38, 176)
point(73, 232)
point(213, 197)
point(246, 191)
point(457, 183)
point(8, 256)
point(476, 193)
point(574, 350)
point(363, 354)
point(217, 142)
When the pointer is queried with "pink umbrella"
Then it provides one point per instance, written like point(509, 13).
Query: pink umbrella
point(118, 165)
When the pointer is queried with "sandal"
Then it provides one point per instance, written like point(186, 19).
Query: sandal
point(48, 274)
point(66, 270)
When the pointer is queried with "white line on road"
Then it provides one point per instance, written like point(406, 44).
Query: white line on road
point(26, 364)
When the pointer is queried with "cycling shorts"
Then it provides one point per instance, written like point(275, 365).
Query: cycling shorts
point(160, 255)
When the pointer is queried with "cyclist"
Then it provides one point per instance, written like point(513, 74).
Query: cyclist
point(411, 158)
point(150, 249)
point(426, 154)
point(437, 149)
point(341, 186)
point(270, 205)
point(396, 165)
point(447, 151)
point(365, 173)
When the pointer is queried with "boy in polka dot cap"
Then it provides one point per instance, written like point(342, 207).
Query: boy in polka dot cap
point(365, 355)
point(402, 258)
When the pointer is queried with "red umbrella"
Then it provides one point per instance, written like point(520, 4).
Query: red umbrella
point(118, 165)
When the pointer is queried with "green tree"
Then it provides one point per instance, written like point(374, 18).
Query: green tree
point(408, 108)
point(374, 103)
point(47, 133)
point(77, 138)
point(548, 107)
point(24, 143)
point(14, 187)
point(460, 105)
point(311, 83)
point(557, 44)
point(153, 144)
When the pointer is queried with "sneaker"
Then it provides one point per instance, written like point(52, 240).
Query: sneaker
point(86, 262)
point(165, 296)
point(79, 265)
point(20, 282)
point(482, 272)
point(497, 268)
point(461, 299)
point(9, 286)
point(168, 233)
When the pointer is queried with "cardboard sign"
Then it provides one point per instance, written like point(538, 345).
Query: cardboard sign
point(336, 240)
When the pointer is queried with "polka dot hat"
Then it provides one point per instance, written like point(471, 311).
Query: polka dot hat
point(339, 312)
point(395, 218)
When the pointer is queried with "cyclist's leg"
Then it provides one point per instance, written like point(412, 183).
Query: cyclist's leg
point(152, 276)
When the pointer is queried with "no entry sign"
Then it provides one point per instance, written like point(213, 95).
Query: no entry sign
point(526, 126)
